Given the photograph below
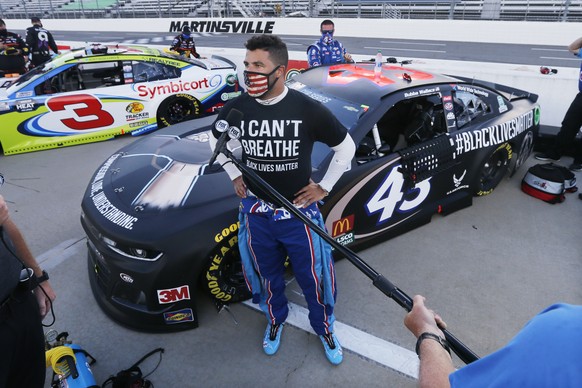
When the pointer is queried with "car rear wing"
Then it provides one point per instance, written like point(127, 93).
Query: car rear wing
point(214, 62)
point(512, 94)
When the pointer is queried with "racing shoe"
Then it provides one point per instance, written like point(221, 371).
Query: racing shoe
point(333, 349)
point(272, 338)
point(548, 155)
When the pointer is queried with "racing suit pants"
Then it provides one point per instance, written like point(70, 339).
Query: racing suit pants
point(270, 239)
point(570, 127)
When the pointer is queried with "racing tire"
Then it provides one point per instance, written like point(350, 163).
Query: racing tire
point(223, 276)
point(178, 108)
point(492, 171)
point(525, 150)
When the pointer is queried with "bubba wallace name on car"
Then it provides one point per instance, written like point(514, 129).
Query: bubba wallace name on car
point(102, 203)
point(174, 87)
point(270, 142)
point(422, 92)
point(246, 27)
point(493, 135)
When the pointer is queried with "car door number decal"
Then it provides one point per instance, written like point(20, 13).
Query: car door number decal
point(86, 111)
point(389, 196)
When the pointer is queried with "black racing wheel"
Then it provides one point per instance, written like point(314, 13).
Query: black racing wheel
point(178, 108)
point(492, 170)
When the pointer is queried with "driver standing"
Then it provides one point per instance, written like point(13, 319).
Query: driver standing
point(184, 44)
point(327, 50)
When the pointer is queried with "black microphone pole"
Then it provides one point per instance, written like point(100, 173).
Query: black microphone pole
point(378, 280)
point(228, 131)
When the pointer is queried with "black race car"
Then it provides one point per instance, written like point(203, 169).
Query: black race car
point(160, 221)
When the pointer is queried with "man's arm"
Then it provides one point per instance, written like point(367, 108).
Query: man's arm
point(234, 173)
point(341, 159)
point(435, 361)
point(29, 37)
point(313, 57)
point(575, 46)
point(53, 44)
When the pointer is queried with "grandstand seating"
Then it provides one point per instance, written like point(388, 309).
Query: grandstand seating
point(531, 10)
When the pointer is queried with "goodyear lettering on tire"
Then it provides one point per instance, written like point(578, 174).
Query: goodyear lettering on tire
point(217, 281)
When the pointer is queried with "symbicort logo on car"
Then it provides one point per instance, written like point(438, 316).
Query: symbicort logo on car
point(203, 85)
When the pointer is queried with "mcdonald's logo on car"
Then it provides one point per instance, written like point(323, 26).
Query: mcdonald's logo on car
point(342, 226)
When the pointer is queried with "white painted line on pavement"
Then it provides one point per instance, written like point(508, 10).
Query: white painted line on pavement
point(55, 256)
point(352, 339)
point(403, 49)
point(562, 59)
point(358, 341)
point(411, 43)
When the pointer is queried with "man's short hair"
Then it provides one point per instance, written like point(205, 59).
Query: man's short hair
point(272, 44)
point(35, 19)
point(326, 22)
point(2, 22)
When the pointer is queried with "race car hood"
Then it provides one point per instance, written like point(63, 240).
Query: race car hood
point(163, 173)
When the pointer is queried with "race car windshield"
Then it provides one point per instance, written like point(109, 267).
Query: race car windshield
point(29, 76)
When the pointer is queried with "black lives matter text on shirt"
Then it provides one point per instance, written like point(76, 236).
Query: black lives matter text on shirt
point(277, 140)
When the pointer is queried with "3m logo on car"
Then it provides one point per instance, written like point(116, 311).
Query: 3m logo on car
point(173, 294)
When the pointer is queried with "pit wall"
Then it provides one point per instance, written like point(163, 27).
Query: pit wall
point(556, 91)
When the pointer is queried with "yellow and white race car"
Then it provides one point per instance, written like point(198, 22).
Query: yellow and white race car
point(95, 93)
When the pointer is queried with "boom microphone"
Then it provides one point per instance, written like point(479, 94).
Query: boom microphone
point(223, 126)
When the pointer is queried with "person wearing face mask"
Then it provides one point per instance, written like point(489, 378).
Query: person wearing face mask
point(12, 52)
point(184, 44)
point(279, 127)
point(40, 41)
point(327, 50)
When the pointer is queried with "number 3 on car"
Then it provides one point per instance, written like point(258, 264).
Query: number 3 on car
point(82, 111)
point(98, 92)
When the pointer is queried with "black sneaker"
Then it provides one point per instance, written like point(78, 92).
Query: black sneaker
point(548, 155)
point(575, 167)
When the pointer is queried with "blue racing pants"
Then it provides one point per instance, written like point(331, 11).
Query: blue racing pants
point(267, 236)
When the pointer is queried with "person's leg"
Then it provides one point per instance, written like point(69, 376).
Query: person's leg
point(306, 255)
point(22, 363)
point(269, 258)
point(566, 136)
point(570, 125)
point(306, 262)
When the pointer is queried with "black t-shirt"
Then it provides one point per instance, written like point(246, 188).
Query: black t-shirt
point(9, 62)
point(10, 267)
point(277, 140)
point(40, 41)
